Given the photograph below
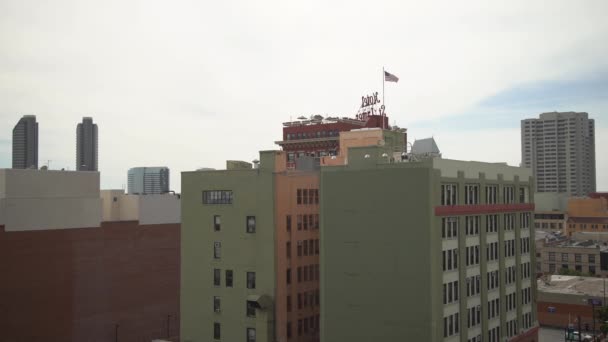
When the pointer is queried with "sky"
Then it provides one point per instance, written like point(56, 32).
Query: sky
point(190, 84)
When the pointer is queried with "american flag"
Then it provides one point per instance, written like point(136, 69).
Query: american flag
point(388, 77)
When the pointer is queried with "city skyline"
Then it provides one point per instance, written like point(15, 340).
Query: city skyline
point(143, 78)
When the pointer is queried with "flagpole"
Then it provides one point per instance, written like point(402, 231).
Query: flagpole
point(383, 81)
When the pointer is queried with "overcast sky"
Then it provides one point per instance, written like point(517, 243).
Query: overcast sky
point(189, 84)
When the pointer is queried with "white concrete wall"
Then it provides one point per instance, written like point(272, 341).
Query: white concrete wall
point(39, 200)
point(159, 209)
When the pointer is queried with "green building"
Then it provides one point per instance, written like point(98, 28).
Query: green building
point(435, 250)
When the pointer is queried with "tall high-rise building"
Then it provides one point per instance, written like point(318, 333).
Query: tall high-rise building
point(86, 145)
point(560, 150)
point(25, 143)
point(148, 180)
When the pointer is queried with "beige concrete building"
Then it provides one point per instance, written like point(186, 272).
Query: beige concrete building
point(147, 209)
point(580, 256)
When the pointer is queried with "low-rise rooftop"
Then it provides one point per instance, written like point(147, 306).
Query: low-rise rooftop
point(572, 285)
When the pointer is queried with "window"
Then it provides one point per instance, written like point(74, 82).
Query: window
point(509, 221)
point(250, 334)
point(288, 303)
point(299, 197)
point(551, 268)
point(250, 224)
point(299, 217)
point(251, 308)
point(450, 292)
point(472, 225)
point(216, 331)
point(523, 195)
point(216, 304)
point(450, 259)
point(449, 228)
point(473, 285)
point(288, 249)
point(299, 301)
point(316, 196)
point(300, 248)
point(491, 191)
point(565, 257)
point(311, 196)
point(288, 276)
point(491, 223)
point(551, 256)
point(288, 330)
point(216, 277)
point(305, 222)
point(592, 270)
point(217, 250)
point(216, 223)
point(317, 246)
point(305, 196)
point(508, 194)
point(229, 279)
point(577, 258)
point(251, 280)
point(305, 247)
point(299, 274)
point(449, 194)
point(288, 222)
point(471, 194)
point(591, 258)
point(217, 197)
point(451, 325)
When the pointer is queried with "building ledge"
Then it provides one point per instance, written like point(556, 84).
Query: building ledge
point(475, 209)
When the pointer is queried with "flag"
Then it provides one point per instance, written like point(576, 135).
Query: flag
point(388, 77)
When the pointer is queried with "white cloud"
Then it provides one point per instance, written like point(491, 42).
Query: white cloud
point(189, 83)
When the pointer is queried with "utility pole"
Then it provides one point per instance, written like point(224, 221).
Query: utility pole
point(580, 333)
point(168, 322)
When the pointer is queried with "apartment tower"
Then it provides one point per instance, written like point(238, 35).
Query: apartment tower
point(86, 145)
point(148, 180)
point(25, 143)
point(560, 150)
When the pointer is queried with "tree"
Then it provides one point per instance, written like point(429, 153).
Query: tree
point(602, 316)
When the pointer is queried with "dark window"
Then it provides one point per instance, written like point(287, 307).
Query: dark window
point(288, 249)
point(299, 196)
point(288, 329)
point(217, 250)
point(299, 248)
point(217, 197)
point(216, 223)
point(316, 221)
point(250, 334)
point(299, 217)
point(288, 303)
point(305, 222)
point(316, 196)
point(299, 327)
point(317, 246)
point(311, 196)
point(305, 196)
point(299, 300)
point(251, 308)
point(229, 279)
point(250, 224)
point(288, 222)
point(216, 304)
point(288, 276)
point(305, 247)
point(299, 274)
point(216, 331)
point(251, 280)
point(216, 277)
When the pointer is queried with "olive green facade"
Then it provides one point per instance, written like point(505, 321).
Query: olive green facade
point(381, 250)
point(240, 251)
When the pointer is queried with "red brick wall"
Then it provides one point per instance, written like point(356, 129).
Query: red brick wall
point(563, 314)
point(78, 284)
point(529, 336)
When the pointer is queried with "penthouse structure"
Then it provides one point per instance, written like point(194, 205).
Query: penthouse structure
point(318, 137)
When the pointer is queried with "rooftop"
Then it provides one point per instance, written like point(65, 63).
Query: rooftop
point(584, 286)
point(582, 244)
